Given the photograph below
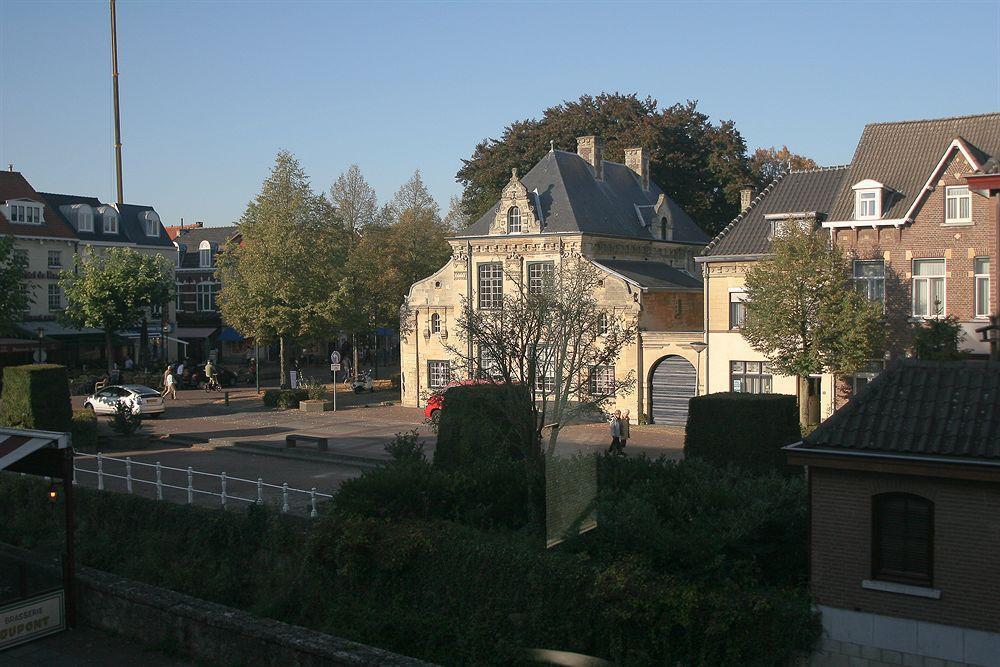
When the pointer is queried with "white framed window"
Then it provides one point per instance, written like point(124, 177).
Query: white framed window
point(205, 257)
point(110, 218)
point(929, 288)
point(206, 296)
point(514, 220)
point(750, 377)
point(540, 274)
point(55, 297)
point(435, 323)
point(55, 259)
point(867, 204)
point(438, 374)
point(603, 324)
point(24, 212)
point(869, 279)
point(602, 381)
point(545, 372)
point(489, 367)
point(152, 227)
point(179, 305)
point(490, 285)
point(84, 218)
point(981, 273)
point(957, 204)
point(737, 309)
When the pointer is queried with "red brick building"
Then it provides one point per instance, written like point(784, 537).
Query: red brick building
point(904, 493)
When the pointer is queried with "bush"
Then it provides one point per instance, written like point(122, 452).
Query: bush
point(939, 340)
point(36, 396)
point(485, 422)
point(315, 390)
point(406, 447)
point(84, 430)
point(747, 430)
point(125, 420)
point(285, 399)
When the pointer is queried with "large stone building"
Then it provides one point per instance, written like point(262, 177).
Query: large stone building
point(611, 214)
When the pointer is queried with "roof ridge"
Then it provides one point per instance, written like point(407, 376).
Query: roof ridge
point(819, 169)
point(933, 120)
point(743, 214)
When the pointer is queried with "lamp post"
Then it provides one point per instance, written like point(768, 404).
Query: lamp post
point(165, 329)
point(40, 332)
point(991, 334)
point(698, 348)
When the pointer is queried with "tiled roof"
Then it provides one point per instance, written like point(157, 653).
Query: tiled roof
point(189, 240)
point(135, 227)
point(920, 408)
point(572, 200)
point(651, 274)
point(14, 186)
point(791, 192)
point(902, 156)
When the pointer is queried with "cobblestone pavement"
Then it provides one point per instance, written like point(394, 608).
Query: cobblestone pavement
point(86, 647)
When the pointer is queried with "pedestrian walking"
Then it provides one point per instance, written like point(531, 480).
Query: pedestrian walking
point(615, 427)
point(623, 427)
point(169, 384)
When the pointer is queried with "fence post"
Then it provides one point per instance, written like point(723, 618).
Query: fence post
point(284, 497)
point(128, 473)
point(159, 481)
point(190, 485)
point(100, 472)
point(74, 470)
point(260, 491)
point(312, 498)
point(223, 490)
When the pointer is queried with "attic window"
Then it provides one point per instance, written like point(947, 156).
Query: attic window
point(152, 222)
point(24, 212)
point(205, 255)
point(110, 217)
point(957, 204)
point(514, 220)
point(84, 218)
point(868, 199)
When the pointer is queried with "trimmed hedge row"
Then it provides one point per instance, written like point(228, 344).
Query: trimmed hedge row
point(485, 422)
point(746, 430)
point(36, 396)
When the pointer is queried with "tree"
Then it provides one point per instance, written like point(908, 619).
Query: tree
point(355, 200)
point(279, 282)
point(701, 165)
point(14, 297)
point(114, 290)
point(413, 196)
point(939, 339)
point(766, 164)
point(456, 219)
point(803, 314)
point(555, 338)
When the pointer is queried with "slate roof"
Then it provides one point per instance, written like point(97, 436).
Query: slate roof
point(920, 408)
point(791, 192)
point(14, 186)
point(572, 200)
point(902, 155)
point(57, 200)
point(135, 227)
point(653, 275)
point(188, 241)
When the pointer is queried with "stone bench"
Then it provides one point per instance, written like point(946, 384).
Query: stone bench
point(322, 443)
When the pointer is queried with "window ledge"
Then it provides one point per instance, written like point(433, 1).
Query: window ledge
point(959, 223)
point(902, 589)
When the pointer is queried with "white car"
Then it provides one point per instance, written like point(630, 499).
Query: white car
point(146, 400)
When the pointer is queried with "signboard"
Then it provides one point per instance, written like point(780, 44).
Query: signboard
point(334, 367)
point(32, 619)
point(335, 358)
point(293, 379)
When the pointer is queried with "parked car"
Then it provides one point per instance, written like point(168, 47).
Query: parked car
point(146, 400)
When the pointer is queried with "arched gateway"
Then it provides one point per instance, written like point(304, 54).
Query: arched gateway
point(672, 384)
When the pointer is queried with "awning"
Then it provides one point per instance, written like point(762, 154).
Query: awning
point(53, 328)
point(23, 345)
point(194, 332)
point(230, 335)
point(16, 444)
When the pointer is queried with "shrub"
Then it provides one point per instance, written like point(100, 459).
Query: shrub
point(747, 430)
point(939, 340)
point(315, 390)
point(36, 396)
point(406, 447)
point(125, 420)
point(84, 430)
point(284, 398)
point(485, 422)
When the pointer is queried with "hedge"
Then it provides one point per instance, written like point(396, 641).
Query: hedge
point(746, 430)
point(36, 396)
point(84, 430)
point(487, 421)
point(284, 398)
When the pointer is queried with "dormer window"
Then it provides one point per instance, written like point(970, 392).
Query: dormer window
point(957, 205)
point(514, 220)
point(666, 230)
point(868, 200)
point(152, 222)
point(84, 218)
point(24, 211)
point(110, 218)
point(205, 255)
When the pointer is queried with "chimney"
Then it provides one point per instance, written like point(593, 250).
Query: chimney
point(637, 160)
point(746, 196)
point(589, 148)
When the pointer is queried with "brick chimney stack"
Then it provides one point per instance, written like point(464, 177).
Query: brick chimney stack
point(746, 196)
point(637, 159)
point(589, 148)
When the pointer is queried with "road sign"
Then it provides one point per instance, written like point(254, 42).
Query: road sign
point(39, 356)
point(335, 358)
point(334, 367)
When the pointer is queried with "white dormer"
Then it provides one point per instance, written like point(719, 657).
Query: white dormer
point(24, 211)
point(80, 215)
point(868, 199)
point(151, 222)
point(205, 255)
point(109, 218)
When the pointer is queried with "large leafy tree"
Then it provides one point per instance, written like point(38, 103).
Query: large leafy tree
point(700, 164)
point(802, 312)
point(14, 297)
point(114, 290)
point(413, 197)
point(767, 163)
point(279, 282)
point(355, 200)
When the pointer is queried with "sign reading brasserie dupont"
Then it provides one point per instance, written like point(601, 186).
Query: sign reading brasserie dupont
point(31, 619)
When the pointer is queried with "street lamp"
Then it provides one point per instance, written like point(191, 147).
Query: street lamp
point(991, 334)
point(698, 348)
point(163, 341)
point(40, 332)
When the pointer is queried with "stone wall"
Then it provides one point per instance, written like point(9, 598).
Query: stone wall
point(211, 632)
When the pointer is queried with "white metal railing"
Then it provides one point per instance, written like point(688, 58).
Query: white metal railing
point(224, 493)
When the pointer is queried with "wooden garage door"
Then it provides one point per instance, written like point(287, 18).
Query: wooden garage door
point(672, 386)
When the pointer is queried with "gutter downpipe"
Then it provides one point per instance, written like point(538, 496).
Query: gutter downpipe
point(708, 350)
point(468, 297)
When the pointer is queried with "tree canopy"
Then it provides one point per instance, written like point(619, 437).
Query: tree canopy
point(700, 164)
point(14, 297)
point(767, 163)
point(355, 200)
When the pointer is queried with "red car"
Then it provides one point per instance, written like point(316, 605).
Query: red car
point(436, 400)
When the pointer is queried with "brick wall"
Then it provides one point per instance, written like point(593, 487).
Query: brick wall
point(672, 311)
point(966, 547)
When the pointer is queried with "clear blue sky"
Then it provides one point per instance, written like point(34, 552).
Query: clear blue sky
point(211, 90)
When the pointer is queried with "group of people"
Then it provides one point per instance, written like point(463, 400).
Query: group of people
point(174, 374)
point(619, 427)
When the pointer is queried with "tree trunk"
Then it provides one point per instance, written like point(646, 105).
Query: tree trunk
point(802, 385)
point(282, 364)
point(107, 350)
point(375, 354)
point(143, 360)
point(354, 351)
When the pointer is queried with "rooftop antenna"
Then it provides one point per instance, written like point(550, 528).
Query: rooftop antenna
point(118, 123)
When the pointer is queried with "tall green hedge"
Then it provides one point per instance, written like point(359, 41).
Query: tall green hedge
point(485, 422)
point(36, 396)
point(747, 430)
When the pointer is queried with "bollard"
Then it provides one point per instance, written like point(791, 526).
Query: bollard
point(284, 497)
point(128, 473)
point(312, 497)
point(74, 471)
point(100, 472)
point(159, 481)
point(227, 399)
point(223, 476)
point(260, 491)
point(190, 485)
